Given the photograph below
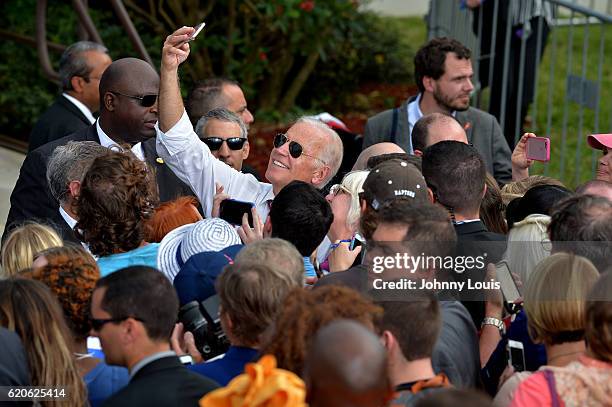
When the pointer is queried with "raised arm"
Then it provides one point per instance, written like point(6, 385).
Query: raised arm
point(174, 53)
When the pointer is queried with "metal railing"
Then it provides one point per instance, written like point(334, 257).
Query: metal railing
point(552, 77)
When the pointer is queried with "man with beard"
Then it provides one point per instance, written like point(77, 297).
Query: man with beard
point(443, 74)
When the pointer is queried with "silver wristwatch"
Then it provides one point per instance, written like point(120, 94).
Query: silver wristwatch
point(498, 323)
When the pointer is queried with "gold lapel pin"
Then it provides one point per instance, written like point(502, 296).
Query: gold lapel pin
point(159, 160)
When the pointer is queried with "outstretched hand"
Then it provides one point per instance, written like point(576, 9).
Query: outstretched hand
point(176, 48)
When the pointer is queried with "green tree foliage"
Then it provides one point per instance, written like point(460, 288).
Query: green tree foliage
point(312, 51)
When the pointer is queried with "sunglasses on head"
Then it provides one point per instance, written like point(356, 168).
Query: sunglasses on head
point(215, 143)
point(337, 188)
point(97, 324)
point(295, 148)
point(145, 101)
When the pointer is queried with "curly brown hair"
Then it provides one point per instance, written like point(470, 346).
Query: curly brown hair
point(304, 312)
point(71, 273)
point(117, 196)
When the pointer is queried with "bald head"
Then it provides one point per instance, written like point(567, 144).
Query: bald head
point(375, 150)
point(128, 104)
point(597, 188)
point(347, 366)
point(433, 128)
point(131, 76)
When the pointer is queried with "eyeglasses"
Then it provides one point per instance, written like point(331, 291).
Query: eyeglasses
point(97, 324)
point(145, 101)
point(337, 188)
point(215, 143)
point(295, 148)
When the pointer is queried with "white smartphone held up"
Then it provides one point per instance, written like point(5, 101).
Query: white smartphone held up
point(506, 281)
point(516, 355)
point(198, 29)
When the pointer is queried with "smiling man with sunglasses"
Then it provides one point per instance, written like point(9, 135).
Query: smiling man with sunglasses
point(310, 151)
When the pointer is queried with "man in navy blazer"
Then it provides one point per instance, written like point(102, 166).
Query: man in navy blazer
point(81, 67)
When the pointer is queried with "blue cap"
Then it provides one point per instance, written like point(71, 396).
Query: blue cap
point(196, 279)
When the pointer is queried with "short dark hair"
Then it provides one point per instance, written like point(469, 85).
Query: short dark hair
point(301, 215)
point(205, 96)
point(420, 131)
point(429, 60)
point(118, 195)
point(251, 294)
point(415, 324)
point(583, 218)
point(145, 293)
point(455, 173)
point(426, 223)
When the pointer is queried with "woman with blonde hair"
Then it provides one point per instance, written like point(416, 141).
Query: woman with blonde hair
point(554, 303)
point(344, 201)
point(587, 380)
point(23, 243)
point(28, 308)
point(528, 244)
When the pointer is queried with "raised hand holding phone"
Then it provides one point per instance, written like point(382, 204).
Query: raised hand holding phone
point(538, 148)
point(197, 29)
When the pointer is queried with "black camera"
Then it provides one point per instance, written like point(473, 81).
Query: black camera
point(202, 320)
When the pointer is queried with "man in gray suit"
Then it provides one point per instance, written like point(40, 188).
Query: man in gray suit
point(443, 73)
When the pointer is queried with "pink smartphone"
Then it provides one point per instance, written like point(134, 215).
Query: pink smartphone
point(538, 148)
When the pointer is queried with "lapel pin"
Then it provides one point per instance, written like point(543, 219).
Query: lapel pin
point(159, 160)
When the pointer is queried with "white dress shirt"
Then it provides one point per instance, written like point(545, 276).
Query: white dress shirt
point(107, 142)
point(69, 219)
point(192, 161)
point(84, 109)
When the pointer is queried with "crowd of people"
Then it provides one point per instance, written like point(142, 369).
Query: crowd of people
point(128, 279)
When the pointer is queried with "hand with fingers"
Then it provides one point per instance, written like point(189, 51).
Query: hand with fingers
point(176, 48)
point(183, 343)
point(218, 198)
point(342, 257)
point(250, 234)
point(520, 162)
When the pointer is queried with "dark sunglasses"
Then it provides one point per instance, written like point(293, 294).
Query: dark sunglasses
point(215, 143)
point(145, 101)
point(97, 324)
point(295, 148)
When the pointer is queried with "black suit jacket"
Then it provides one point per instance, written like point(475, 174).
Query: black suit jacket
point(31, 199)
point(61, 119)
point(473, 239)
point(163, 382)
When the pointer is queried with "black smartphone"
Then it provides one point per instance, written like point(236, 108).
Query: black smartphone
point(355, 242)
point(232, 211)
point(516, 355)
